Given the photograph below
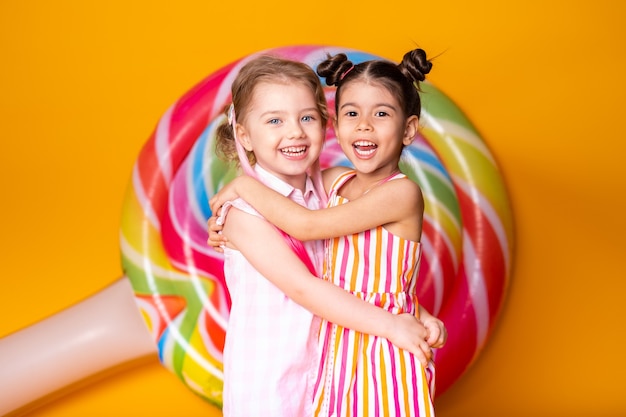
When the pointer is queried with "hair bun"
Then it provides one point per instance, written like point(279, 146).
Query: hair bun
point(415, 65)
point(333, 68)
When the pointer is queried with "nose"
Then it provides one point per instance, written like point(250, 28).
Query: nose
point(364, 124)
point(295, 130)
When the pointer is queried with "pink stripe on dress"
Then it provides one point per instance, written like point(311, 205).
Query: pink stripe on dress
point(364, 375)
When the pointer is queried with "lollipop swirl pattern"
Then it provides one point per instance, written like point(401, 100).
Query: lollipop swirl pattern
point(178, 280)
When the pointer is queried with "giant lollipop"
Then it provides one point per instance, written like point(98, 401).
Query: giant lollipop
point(177, 281)
point(467, 230)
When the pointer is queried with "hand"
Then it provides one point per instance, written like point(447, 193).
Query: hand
point(226, 193)
point(410, 334)
point(437, 333)
point(216, 239)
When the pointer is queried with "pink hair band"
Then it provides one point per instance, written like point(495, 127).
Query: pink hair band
point(346, 73)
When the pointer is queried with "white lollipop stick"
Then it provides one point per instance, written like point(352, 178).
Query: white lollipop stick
point(99, 333)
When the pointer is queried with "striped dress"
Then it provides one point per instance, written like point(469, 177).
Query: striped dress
point(362, 375)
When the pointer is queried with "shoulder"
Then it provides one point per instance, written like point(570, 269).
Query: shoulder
point(406, 184)
point(409, 185)
point(409, 190)
point(243, 224)
point(329, 175)
point(405, 202)
point(239, 204)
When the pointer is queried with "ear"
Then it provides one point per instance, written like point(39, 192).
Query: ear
point(243, 137)
point(410, 130)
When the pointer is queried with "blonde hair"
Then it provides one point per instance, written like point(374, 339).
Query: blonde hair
point(264, 69)
point(270, 69)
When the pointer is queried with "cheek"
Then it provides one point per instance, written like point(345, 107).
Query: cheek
point(317, 136)
point(342, 131)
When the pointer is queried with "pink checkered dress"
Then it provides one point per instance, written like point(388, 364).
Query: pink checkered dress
point(271, 352)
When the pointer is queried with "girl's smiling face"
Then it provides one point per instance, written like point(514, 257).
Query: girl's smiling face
point(372, 128)
point(284, 129)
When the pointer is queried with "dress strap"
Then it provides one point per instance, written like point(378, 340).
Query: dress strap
point(393, 176)
point(340, 181)
point(347, 175)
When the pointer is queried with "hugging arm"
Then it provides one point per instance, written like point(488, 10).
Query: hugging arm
point(265, 246)
point(379, 206)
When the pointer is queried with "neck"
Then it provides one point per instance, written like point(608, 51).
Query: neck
point(363, 182)
point(297, 181)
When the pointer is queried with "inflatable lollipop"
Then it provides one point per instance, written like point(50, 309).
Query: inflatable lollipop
point(177, 280)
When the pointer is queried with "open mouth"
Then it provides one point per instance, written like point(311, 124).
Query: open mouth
point(294, 151)
point(364, 148)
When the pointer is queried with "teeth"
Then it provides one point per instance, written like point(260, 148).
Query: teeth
point(363, 147)
point(364, 143)
point(293, 150)
point(365, 152)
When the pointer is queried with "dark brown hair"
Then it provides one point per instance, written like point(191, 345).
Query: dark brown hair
point(402, 80)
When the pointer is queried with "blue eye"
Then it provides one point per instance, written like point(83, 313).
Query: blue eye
point(273, 121)
point(308, 118)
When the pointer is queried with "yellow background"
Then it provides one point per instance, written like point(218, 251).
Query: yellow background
point(82, 84)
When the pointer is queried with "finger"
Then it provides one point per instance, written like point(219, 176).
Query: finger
point(441, 341)
point(424, 355)
point(428, 353)
point(217, 246)
point(443, 338)
point(433, 337)
point(213, 204)
point(425, 352)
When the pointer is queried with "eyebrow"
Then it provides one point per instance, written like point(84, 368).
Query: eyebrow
point(279, 112)
point(376, 105)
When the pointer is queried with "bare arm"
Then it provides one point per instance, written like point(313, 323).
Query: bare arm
point(398, 203)
point(263, 247)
